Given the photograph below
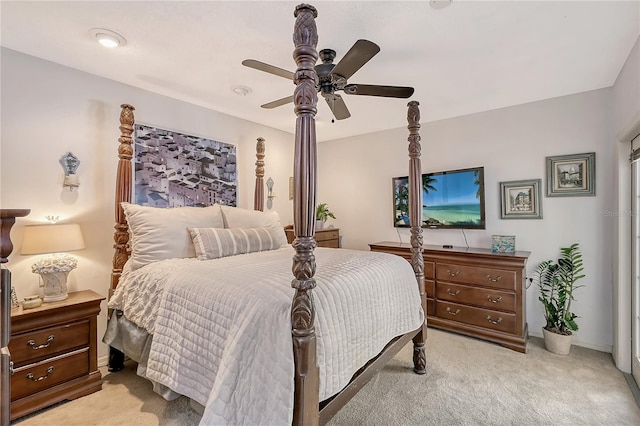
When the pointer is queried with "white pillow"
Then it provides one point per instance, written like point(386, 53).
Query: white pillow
point(213, 243)
point(158, 233)
point(235, 217)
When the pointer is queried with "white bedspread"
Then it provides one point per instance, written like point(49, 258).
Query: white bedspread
point(222, 329)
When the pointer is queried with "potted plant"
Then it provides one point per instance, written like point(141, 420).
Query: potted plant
point(322, 214)
point(557, 282)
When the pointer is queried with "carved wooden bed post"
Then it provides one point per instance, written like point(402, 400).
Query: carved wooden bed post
point(306, 398)
point(258, 196)
point(415, 219)
point(123, 194)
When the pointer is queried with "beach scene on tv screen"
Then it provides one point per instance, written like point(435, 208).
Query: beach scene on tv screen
point(450, 199)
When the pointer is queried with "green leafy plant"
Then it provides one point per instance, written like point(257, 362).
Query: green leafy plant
point(557, 282)
point(323, 213)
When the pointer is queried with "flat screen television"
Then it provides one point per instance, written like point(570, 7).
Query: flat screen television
point(450, 199)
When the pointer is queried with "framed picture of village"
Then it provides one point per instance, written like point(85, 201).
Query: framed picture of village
point(520, 199)
point(173, 169)
point(571, 175)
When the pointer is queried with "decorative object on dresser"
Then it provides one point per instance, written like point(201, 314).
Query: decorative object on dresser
point(473, 291)
point(322, 214)
point(329, 237)
point(521, 199)
point(55, 352)
point(557, 282)
point(571, 175)
point(55, 240)
point(7, 220)
point(503, 243)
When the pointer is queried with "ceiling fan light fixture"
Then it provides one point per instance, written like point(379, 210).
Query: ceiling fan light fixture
point(241, 90)
point(108, 38)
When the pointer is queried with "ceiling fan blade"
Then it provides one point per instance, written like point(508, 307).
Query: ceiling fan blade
point(261, 66)
point(374, 90)
point(337, 106)
point(278, 103)
point(359, 54)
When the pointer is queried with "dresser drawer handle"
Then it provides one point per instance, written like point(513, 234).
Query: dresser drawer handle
point(450, 293)
point(494, 279)
point(453, 274)
point(498, 321)
point(453, 313)
point(44, 345)
point(492, 300)
point(31, 377)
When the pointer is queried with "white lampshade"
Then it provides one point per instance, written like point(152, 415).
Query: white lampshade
point(39, 239)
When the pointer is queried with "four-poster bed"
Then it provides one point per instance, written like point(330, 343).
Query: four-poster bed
point(316, 395)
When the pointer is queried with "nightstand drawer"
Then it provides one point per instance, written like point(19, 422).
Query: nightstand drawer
point(33, 378)
point(329, 234)
point(39, 344)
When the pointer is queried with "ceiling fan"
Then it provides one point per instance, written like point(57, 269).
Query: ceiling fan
point(333, 77)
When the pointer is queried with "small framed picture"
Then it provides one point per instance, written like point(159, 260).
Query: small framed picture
point(521, 199)
point(571, 175)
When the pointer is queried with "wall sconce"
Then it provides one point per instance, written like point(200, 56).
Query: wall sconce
point(70, 164)
point(270, 194)
point(56, 239)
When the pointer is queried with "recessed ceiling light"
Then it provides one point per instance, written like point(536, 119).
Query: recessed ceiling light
point(241, 90)
point(107, 38)
point(440, 4)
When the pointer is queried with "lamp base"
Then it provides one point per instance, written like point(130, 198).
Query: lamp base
point(55, 286)
point(55, 298)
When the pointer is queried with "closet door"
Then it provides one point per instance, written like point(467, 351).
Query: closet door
point(635, 251)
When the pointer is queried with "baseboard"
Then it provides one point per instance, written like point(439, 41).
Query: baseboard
point(103, 361)
point(601, 348)
point(634, 387)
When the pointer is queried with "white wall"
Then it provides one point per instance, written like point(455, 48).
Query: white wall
point(511, 144)
point(626, 107)
point(48, 109)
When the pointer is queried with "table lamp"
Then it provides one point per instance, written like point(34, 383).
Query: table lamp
point(56, 240)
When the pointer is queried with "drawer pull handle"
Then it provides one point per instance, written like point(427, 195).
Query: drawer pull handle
point(492, 300)
point(44, 345)
point(494, 279)
point(453, 274)
point(498, 321)
point(450, 293)
point(31, 377)
point(453, 313)
point(11, 371)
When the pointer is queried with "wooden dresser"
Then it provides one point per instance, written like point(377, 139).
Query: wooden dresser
point(54, 352)
point(329, 237)
point(473, 291)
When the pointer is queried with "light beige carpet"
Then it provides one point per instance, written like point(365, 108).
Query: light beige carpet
point(468, 382)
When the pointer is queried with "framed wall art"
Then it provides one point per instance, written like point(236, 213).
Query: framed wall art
point(571, 175)
point(521, 199)
point(174, 169)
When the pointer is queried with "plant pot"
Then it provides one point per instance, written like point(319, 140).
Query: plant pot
point(319, 224)
point(557, 343)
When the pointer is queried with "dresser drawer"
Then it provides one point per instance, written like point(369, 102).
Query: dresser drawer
point(33, 378)
point(486, 277)
point(485, 318)
point(28, 347)
point(429, 288)
point(486, 297)
point(329, 243)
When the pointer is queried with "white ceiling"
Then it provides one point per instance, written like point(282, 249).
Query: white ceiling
point(469, 57)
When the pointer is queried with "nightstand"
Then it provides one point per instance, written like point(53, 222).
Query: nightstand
point(329, 237)
point(54, 352)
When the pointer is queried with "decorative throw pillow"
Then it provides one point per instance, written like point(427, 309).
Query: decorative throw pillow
point(236, 217)
point(158, 233)
point(213, 243)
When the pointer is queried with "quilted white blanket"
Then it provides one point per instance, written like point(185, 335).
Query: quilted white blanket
point(222, 330)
